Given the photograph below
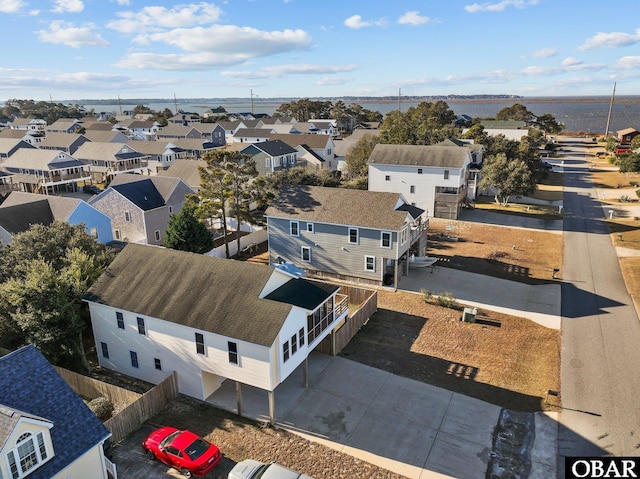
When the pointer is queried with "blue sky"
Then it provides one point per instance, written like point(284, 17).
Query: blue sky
point(93, 49)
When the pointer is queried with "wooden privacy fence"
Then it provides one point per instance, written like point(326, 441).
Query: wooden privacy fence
point(340, 337)
point(140, 407)
point(90, 388)
point(144, 408)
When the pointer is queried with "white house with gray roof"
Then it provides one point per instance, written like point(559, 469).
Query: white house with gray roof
point(359, 236)
point(434, 178)
point(157, 310)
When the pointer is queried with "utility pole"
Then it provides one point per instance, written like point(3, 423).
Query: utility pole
point(399, 90)
point(251, 101)
point(175, 103)
point(120, 105)
point(606, 131)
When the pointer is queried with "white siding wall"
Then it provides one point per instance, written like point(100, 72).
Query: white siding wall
point(403, 177)
point(297, 320)
point(175, 346)
point(89, 464)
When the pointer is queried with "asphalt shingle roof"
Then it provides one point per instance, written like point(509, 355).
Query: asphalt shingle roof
point(303, 293)
point(142, 193)
point(29, 383)
point(202, 292)
point(341, 206)
point(420, 155)
point(18, 218)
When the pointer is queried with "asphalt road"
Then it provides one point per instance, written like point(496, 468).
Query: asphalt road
point(600, 331)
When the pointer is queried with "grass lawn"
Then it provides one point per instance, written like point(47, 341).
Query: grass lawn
point(614, 179)
point(548, 212)
point(505, 360)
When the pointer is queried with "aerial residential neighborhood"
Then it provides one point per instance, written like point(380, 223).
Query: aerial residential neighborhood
point(354, 286)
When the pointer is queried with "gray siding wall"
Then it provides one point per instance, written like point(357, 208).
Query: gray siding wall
point(156, 220)
point(330, 248)
point(114, 206)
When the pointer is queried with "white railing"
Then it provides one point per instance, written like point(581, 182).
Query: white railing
point(111, 468)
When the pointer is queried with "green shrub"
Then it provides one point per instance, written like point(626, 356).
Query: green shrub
point(446, 299)
point(426, 295)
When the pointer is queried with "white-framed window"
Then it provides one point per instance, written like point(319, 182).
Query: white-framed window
point(370, 263)
point(105, 350)
point(285, 351)
point(387, 178)
point(30, 453)
point(294, 228)
point(385, 239)
point(199, 343)
point(446, 174)
point(117, 234)
point(127, 217)
point(157, 235)
point(94, 232)
point(310, 228)
point(305, 254)
point(134, 359)
point(232, 348)
point(157, 364)
point(412, 189)
point(120, 319)
point(294, 344)
point(301, 336)
point(419, 171)
point(403, 235)
point(170, 209)
point(141, 328)
point(268, 163)
point(354, 235)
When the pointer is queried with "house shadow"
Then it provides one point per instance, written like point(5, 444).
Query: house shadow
point(584, 303)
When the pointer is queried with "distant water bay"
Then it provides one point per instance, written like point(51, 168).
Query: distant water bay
point(588, 114)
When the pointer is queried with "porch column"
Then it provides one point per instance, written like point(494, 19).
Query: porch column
point(239, 397)
point(272, 408)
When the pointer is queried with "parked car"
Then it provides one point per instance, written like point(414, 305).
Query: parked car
point(91, 189)
point(183, 450)
point(250, 469)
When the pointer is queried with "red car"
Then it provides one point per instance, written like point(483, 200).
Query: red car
point(184, 450)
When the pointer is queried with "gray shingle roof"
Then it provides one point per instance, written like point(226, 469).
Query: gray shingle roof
point(29, 383)
point(202, 292)
point(18, 218)
point(420, 155)
point(342, 206)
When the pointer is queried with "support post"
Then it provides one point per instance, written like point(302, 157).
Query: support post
point(272, 408)
point(239, 397)
point(305, 373)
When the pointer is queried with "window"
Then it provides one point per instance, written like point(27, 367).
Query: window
point(120, 319)
point(117, 234)
point(94, 232)
point(127, 217)
point(446, 174)
point(233, 352)
point(385, 239)
point(370, 263)
point(285, 351)
point(294, 344)
point(293, 228)
point(353, 235)
point(319, 320)
point(170, 209)
point(310, 228)
point(199, 343)
point(419, 171)
point(134, 359)
point(387, 178)
point(157, 364)
point(157, 235)
point(301, 336)
point(141, 329)
point(305, 254)
point(412, 189)
point(105, 350)
point(30, 452)
point(403, 235)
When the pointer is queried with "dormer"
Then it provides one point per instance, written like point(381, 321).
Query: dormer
point(25, 443)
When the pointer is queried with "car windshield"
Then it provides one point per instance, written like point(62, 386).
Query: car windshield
point(169, 439)
point(197, 448)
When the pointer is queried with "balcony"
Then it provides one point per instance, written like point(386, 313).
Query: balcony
point(450, 196)
point(58, 178)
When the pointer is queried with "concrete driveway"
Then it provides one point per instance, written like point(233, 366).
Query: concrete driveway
point(406, 426)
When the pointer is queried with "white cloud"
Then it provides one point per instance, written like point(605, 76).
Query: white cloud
point(610, 40)
point(355, 22)
point(178, 62)
point(570, 61)
point(122, 2)
point(11, 6)
point(63, 6)
point(628, 63)
point(545, 53)
point(67, 34)
point(283, 70)
point(333, 81)
point(231, 40)
point(154, 19)
point(499, 6)
point(413, 18)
